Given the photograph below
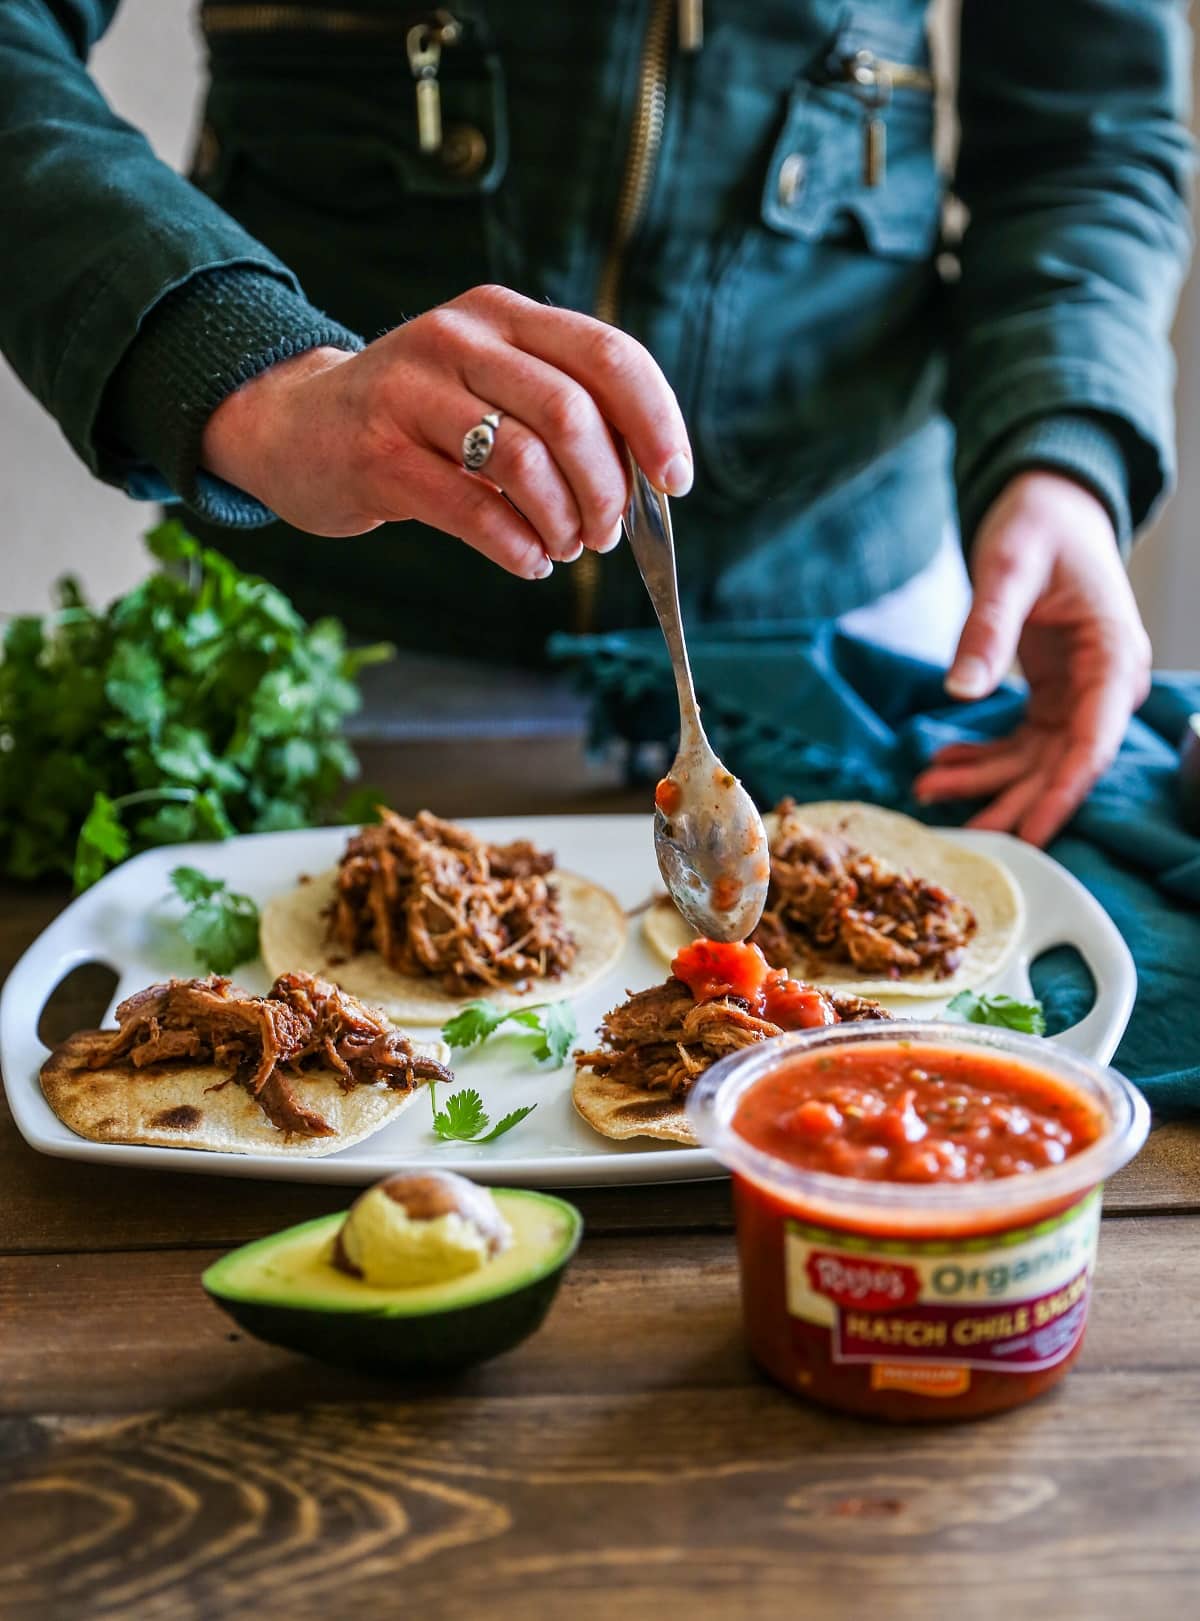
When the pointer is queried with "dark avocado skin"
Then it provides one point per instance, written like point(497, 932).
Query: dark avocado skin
point(438, 1343)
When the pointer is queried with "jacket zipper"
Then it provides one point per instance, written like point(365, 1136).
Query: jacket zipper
point(873, 79)
point(645, 139)
point(424, 41)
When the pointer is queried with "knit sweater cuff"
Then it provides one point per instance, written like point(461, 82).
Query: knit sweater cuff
point(1079, 445)
point(198, 345)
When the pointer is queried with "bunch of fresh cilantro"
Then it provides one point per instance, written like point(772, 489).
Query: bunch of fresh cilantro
point(199, 705)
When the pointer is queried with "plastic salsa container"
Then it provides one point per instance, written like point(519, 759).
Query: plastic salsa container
point(915, 1300)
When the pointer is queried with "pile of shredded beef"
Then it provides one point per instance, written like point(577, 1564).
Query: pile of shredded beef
point(831, 902)
point(662, 1039)
point(433, 899)
point(271, 1042)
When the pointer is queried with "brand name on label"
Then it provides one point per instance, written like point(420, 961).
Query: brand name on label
point(871, 1284)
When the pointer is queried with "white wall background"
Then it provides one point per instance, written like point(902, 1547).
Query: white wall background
point(57, 518)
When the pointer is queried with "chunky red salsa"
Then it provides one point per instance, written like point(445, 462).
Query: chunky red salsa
point(711, 969)
point(901, 1112)
point(668, 796)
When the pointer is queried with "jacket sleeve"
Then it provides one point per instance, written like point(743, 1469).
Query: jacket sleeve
point(104, 244)
point(1074, 167)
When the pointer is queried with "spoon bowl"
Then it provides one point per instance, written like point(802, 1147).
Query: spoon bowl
point(708, 836)
point(711, 847)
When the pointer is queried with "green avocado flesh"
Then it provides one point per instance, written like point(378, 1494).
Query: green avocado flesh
point(285, 1289)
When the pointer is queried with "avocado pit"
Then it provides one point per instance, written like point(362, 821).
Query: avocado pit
point(419, 1228)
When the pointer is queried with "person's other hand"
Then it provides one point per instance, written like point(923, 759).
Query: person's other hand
point(1049, 589)
point(338, 443)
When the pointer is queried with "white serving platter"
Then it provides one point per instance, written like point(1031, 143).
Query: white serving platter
point(128, 922)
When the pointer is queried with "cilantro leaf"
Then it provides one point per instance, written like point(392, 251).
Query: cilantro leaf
point(553, 1022)
point(192, 885)
point(508, 1122)
point(362, 806)
point(220, 925)
point(134, 686)
point(473, 1023)
point(558, 1032)
point(464, 1118)
point(102, 840)
point(1008, 1012)
point(170, 542)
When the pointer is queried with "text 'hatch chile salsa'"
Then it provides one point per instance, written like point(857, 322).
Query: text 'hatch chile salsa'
point(917, 1209)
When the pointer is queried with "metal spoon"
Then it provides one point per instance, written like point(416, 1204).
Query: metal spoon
point(709, 838)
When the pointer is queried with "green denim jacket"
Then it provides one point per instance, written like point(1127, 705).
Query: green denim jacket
point(844, 376)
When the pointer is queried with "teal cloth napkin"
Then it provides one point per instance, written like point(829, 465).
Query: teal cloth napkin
point(821, 715)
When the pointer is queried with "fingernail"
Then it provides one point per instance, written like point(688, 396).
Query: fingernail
point(613, 540)
point(970, 677)
point(575, 552)
point(542, 569)
point(677, 480)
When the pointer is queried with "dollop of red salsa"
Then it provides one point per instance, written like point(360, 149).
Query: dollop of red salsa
point(711, 968)
point(903, 1112)
point(668, 796)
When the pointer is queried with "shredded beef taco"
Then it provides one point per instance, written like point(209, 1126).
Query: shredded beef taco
point(652, 1048)
point(872, 901)
point(198, 1063)
point(420, 916)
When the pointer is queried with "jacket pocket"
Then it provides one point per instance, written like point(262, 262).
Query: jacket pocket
point(313, 144)
point(816, 186)
point(819, 322)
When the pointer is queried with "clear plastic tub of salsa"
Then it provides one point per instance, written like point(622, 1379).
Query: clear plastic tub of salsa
point(927, 1299)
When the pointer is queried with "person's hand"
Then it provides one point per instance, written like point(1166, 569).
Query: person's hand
point(338, 443)
point(1050, 590)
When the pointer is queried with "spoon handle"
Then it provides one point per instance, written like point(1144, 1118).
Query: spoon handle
point(648, 525)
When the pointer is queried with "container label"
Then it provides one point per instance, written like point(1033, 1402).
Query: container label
point(920, 1312)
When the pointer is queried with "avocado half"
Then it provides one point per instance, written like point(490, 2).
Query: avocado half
point(285, 1289)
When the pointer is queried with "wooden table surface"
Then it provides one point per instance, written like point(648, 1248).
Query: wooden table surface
point(627, 1461)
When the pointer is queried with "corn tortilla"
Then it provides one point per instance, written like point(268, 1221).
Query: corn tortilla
point(620, 1111)
point(173, 1105)
point(985, 886)
point(293, 937)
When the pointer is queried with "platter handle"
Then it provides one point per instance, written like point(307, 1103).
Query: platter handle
point(51, 957)
point(1114, 974)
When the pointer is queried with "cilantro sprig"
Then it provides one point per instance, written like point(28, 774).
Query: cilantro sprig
point(220, 925)
point(465, 1120)
point(198, 705)
point(1008, 1012)
point(551, 1024)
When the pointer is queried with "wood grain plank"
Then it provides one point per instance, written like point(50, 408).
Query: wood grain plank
point(63, 1206)
point(118, 1333)
point(705, 1502)
point(60, 1205)
point(1164, 1176)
